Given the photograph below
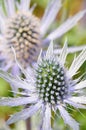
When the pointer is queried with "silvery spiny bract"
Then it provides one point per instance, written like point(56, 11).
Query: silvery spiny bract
point(48, 87)
point(24, 32)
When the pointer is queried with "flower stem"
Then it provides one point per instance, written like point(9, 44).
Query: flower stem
point(28, 124)
point(52, 118)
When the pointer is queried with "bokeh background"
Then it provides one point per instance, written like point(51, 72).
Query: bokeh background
point(76, 37)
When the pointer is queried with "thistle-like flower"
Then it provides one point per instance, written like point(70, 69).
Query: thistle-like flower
point(48, 87)
point(24, 32)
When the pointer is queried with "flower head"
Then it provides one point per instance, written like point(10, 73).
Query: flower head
point(48, 86)
point(51, 81)
point(24, 32)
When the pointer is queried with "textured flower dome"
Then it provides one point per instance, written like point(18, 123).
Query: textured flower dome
point(51, 82)
point(23, 34)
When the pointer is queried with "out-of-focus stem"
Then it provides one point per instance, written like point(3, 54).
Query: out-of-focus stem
point(52, 118)
point(65, 10)
point(28, 124)
point(83, 21)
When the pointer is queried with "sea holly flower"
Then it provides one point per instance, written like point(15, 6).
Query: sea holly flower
point(49, 86)
point(24, 32)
